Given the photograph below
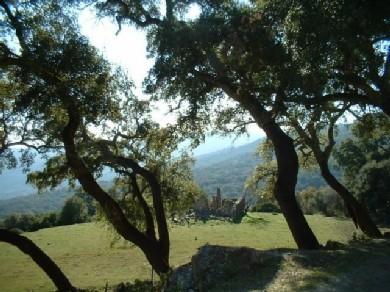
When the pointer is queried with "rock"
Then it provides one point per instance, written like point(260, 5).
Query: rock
point(181, 279)
point(330, 244)
point(213, 264)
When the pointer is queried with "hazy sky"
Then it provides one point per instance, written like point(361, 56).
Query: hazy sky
point(128, 49)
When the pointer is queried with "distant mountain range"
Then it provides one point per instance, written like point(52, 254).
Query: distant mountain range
point(227, 168)
point(230, 168)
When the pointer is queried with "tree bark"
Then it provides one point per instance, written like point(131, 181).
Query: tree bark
point(357, 211)
point(39, 257)
point(286, 156)
point(162, 225)
point(287, 161)
point(156, 251)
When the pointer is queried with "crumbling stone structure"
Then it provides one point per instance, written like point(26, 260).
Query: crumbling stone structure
point(234, 209)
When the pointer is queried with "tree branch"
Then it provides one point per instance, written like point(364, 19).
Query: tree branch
point(154, 186)
point(39, 257)
point(16, 25)
point(109, 205)
point(148, 214)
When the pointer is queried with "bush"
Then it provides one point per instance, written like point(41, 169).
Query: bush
point(74, 211)
point(30, 222)
point(323, 200)
point(268, 207)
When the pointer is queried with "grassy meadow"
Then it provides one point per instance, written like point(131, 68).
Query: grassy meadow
point(83, 251)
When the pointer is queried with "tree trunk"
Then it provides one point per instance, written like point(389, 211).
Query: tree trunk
point(158, 257)
point(39, 257)
point(385, 107)
point(155, 251)
point(287, 161)
point(357, 211)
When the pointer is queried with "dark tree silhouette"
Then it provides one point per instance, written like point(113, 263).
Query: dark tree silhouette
point(39, 257)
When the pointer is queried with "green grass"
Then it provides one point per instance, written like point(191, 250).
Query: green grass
point(83, 251)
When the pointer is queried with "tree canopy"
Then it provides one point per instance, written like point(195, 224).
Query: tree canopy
point(273, 63)
point(364, 159)
point(83, 115)
point(266, 56)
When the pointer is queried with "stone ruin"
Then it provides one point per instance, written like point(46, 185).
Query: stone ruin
point(234, 209)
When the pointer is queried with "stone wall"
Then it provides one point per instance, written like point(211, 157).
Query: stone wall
point(220, 207)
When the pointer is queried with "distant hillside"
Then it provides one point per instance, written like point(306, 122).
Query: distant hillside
point(13, 184)
point(49, 201)
point(230, 167)
point(13, 181)
point(227, 169)
point(35, 203)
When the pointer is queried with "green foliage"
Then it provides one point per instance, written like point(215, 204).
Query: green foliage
point(372, 187)
point(83, 115)
point(137, 286)
point(28, 222)
point(364, 160)
point(263, 178)
point(74, 211)
point(323, 201)
point(265, 207)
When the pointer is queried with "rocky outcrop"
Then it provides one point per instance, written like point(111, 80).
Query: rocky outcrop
point(361, 265)
point(214, 264)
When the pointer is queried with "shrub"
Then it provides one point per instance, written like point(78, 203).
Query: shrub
point(268, 207)
point(74, 211)
point(30, 222)
point(323, 200)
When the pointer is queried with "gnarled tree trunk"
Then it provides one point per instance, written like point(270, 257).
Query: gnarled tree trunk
point(39, 257)
point(357, 211)
point(287, 161)
point(155, 250)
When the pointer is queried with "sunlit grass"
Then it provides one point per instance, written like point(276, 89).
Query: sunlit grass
point(84, 254)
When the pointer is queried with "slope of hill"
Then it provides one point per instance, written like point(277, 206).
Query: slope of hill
point(227, 168)
point(13, 181)
point(35, 203)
